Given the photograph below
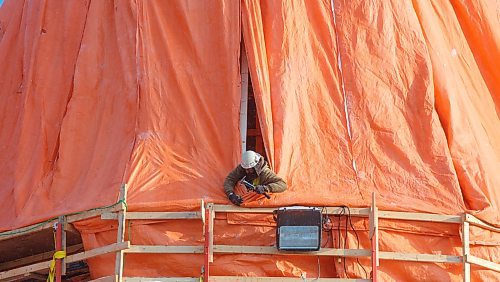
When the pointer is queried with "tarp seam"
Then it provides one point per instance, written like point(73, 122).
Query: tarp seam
point(345, 100)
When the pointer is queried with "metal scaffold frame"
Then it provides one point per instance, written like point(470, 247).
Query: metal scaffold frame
point(207, 216)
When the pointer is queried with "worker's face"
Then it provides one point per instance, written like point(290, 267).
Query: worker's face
point(249, 171)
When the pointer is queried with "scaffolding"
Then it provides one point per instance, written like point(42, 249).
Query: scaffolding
point(206, 215)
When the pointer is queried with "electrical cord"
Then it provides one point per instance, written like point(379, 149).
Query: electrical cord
point(357, 240)
point(348, 222)
point(346, 211)
point(326, 226)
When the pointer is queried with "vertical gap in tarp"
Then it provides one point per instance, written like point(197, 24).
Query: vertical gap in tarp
point(244, 97)
point(346, 101)
point(244, 87)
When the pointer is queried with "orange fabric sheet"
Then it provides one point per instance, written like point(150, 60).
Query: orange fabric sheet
point(189, 94)
point(399, 146)
point(468, 111)
point(396, 97)
point(63, 111)
point(297, 86)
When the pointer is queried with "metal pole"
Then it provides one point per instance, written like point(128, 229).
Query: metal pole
point(59, 228)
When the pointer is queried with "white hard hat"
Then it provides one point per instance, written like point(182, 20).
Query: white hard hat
point(249, 159)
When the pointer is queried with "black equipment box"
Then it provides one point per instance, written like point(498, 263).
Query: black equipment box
point(298, 229)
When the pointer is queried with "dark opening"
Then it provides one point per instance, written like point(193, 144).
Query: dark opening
point(254, 134)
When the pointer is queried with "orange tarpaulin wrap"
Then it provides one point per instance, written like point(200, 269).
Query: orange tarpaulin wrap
point(468, 111)
point(397, 97)
point(64, 111)
point(291, 51)
point(189, 95)
point(399, 145)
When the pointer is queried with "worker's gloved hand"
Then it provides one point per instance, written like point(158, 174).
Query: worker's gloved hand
point(235, 199)
point(261, 189)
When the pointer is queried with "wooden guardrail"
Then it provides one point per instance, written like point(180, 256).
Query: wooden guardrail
point(207, 215)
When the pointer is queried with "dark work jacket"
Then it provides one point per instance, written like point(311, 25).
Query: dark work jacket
point(265, 176)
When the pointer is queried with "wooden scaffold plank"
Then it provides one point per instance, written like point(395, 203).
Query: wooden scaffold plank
point(69, 259)
point(232, 249)
point(281, 279)
point(419, 257)
point(36, 258)
point(153, 215)
point(465, 250)
point(482, 262)
point(120, 237)
point(373, 235)
point(477, 222)
point(137, 249)
point(50, 223)
point(162, 279)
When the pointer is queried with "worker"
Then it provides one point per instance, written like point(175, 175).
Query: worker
point(254, 169)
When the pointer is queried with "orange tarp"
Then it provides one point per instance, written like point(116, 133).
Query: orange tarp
point(394, 97)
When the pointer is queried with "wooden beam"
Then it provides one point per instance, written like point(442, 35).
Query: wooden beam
point(477, 222)
point(36, 258)
point(111, 278)
point(98, 251)
point(27, 230)
point(69, 259)
point(211, 222)
point(165, 249)
point(328, 210)
point(465, 250)
point(373, 235)
point(362, 212)
point(236, 209)
point(163, 279)
point(281, 279)
point(120, 235)
point(24, 269)
point(153, 215)
point(482, 262)
point(419, 257)
point(48, 224)
point(94, 213)
point(227, 208)
point(414, 216)
point(205, 269)
point(273, 251)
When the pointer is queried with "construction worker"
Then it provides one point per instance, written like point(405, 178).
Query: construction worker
point(254, 169)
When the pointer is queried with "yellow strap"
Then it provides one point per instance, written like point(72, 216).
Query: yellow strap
point(52, 268)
